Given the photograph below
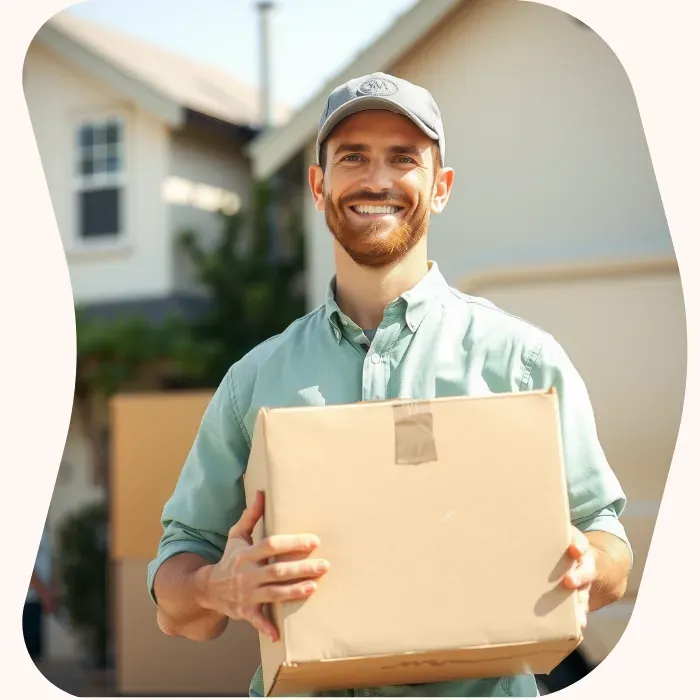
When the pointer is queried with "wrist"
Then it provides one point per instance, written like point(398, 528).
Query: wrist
point(202, 588)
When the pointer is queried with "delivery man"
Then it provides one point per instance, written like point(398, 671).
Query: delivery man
point(390, 327)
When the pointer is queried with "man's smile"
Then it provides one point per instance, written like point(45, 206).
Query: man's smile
point(374, 211)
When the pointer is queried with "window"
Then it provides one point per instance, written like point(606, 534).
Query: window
point(100, 179)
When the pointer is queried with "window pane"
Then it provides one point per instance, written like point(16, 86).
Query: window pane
point(85, 136)
point(112, 165)
point(87, 167)
point(100, 165)
point(112, 134)
point(98, 133)
point(99, 212)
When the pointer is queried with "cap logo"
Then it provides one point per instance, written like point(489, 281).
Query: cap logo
point(381, 87)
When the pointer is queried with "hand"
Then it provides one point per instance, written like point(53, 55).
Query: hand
point(243, 580)
point(583, 572)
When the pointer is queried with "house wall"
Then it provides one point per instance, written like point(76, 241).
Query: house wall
point(58, 94)
point(205, 171)
point(543, 131)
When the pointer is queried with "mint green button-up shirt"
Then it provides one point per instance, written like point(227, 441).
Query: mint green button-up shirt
point(433, 341)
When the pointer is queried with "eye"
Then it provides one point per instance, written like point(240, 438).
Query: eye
point(351, 156)
point(406, 160)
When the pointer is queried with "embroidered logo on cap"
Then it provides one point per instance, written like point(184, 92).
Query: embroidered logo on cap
point(381, 87)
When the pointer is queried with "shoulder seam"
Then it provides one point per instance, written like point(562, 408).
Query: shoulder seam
point(235, 408)
point(471, 300)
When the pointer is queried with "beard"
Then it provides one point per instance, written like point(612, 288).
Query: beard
point(378, 243)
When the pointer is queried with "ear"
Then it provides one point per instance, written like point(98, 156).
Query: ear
point(442, 189)
point(316, 185)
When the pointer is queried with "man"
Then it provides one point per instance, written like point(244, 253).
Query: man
point(390, 327)
point(41, 600)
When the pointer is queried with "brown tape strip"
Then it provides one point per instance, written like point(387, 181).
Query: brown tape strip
point(413, 429)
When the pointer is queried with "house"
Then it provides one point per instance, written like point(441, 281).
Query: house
point(555, 210)
point(136, 143)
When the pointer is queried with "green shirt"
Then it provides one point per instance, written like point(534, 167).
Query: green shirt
point(433, 341)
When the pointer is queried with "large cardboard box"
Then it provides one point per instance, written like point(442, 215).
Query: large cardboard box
point(446, 524)
point(152, 663)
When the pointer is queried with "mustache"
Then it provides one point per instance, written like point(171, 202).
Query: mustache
point(373, 198)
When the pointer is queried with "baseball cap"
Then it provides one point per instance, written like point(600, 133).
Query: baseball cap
point(382, 91)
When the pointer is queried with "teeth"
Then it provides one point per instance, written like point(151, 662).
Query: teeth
point(376, 210)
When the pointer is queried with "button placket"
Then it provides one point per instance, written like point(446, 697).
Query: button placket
point(377, 369)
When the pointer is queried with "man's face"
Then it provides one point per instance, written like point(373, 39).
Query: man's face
point(379, 186)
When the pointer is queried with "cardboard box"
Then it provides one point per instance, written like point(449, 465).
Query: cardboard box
point(151, 663)
point(446, 524)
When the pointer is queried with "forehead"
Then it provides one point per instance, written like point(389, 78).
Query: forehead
point(377, 127)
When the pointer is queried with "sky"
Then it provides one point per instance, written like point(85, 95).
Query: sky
point(312, 39)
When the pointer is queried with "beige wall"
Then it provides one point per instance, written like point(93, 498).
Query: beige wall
point(543, 131)
point(213, 162)
point(57, 96)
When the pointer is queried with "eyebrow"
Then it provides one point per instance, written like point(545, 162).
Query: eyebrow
point(402, 149)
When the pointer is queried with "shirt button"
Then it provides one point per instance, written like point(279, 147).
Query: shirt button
point(343, 321)
point(375, 359)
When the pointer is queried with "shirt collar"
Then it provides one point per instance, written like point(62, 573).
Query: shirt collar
point(417, 301)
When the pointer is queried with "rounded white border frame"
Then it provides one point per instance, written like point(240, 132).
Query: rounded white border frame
point(657, 45)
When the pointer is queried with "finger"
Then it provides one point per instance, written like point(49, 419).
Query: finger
point(583, 574)
point(247, 522)
point(290, 571)
point(282, 544)
point(579, 543)
point(257, 618)
point(284, 593)
point(587, 571)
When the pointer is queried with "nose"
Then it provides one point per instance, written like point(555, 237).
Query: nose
point(378, 177)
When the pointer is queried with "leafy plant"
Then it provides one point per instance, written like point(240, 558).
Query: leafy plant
point(253, 290)
point(82, 567)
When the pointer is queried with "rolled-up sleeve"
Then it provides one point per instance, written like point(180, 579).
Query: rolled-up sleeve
point(596, 497)
point(209, 496)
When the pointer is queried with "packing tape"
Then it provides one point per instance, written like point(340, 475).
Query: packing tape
point(413, 429)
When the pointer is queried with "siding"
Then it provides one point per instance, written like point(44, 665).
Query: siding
point(58, 94)
point(212, 161)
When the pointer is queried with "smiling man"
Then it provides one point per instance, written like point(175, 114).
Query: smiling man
point(390, 327)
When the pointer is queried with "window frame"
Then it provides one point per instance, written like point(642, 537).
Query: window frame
point(117, 240)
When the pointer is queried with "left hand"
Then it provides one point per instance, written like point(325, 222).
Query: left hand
point(582, 573)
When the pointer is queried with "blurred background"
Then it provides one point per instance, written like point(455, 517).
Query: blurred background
point(175, 138)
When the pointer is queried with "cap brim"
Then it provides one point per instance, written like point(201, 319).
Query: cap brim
point(361, 104)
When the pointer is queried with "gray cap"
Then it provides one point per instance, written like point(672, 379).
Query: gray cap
point(382, 91)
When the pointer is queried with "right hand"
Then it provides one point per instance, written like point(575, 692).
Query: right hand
point(243, 580)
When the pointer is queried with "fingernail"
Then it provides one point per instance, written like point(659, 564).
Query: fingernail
point(310, 588)
point(322, 566)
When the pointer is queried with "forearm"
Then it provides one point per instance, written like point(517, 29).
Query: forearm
point(181, 591)
point(613, 562)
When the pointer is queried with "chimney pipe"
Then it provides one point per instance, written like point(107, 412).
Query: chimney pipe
point(265, 8)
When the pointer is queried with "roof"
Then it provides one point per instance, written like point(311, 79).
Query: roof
point(270, 151)
point(168, 82)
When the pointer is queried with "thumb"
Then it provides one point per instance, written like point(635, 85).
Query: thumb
point(579, 543)
point(244, 527)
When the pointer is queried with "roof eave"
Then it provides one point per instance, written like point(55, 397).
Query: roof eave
point(273, 149)
point(92, 63)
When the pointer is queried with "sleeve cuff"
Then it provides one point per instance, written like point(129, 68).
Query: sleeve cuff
point(605, 521)
point(204, 549)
